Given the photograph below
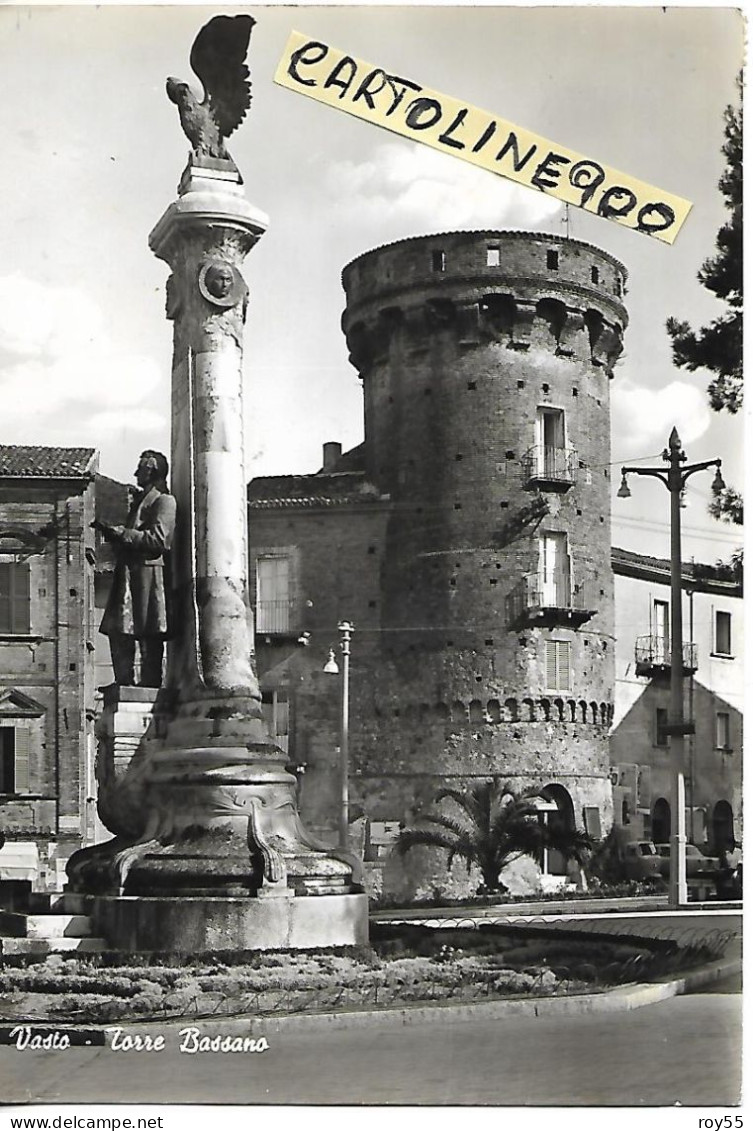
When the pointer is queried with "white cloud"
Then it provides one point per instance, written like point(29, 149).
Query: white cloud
point(58, 369)
point(63, 382)
point(643, 418)
point(428, 189)
point(45, 322)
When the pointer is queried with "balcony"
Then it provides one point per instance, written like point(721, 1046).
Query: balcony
point(549, 469)
point(545, 603)
point(275, 618)
point(653, 656)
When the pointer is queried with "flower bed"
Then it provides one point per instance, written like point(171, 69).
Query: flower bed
point(408, 965)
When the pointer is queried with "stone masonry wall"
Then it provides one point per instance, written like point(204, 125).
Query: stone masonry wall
point(464, 341)
point(53, 666)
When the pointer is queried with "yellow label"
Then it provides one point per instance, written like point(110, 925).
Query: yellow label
point(403, 106)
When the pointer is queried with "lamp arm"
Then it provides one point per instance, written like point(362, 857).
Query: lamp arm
point(656, 472)
point(691, 470)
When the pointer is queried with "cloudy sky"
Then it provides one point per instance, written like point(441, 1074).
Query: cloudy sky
point(93, 151)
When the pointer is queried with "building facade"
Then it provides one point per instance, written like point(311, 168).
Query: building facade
point(713, 688)
point(467, 538)
point(47, 677)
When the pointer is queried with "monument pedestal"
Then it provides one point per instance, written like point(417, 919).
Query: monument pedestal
point(210, 852)
point(190, 925)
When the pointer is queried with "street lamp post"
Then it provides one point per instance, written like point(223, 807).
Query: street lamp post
point(674, 479)
point(346, 629)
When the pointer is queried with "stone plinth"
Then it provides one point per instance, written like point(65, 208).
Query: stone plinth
point(192, 925)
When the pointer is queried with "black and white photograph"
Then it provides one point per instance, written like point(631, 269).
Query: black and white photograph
point(371, 563)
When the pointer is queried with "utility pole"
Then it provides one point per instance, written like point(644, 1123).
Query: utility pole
point(674, 479)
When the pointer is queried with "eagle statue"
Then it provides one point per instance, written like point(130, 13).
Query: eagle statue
point(218, 58)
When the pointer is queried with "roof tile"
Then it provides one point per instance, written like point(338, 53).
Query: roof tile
point(320, 490)
point(47, 463)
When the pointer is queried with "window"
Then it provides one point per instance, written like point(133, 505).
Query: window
point(550, 443)
point(592, 821)
point(662, 719)
point(272, 594)
point(722, 731)
point(722, 633)
point(557, 657)
point(553, 260)
point(661, 632)
point(15, 746)
point(493, 257)
point(594, 274)
point(554, 571)
point(438, 261)
point(14, 597)
point(274, 709)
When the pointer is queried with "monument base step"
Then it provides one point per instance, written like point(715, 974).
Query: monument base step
point(192, 925)
point(16, 924)
point(67, 902)
point(59, 945)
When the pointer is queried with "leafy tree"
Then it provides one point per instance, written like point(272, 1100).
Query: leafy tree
point(719, 345)
point(494, 827)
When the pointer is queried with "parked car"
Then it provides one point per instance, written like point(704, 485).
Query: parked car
point(641, 860)
point(696, 864)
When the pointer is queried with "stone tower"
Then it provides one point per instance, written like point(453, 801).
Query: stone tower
point(486, 359)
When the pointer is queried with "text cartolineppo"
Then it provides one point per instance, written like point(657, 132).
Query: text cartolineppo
point(405, 107)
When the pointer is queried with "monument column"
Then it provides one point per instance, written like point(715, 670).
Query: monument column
point(204, 237)
point(209, 849)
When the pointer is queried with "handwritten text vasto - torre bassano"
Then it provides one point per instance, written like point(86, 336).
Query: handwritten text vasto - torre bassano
point(328, 75)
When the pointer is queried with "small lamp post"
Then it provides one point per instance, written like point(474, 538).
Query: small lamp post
point(346, 629)
point(674, 479)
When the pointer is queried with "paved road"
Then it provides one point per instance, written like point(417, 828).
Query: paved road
point(684, 1050)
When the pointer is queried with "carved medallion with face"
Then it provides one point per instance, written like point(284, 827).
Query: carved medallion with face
point(220, 283)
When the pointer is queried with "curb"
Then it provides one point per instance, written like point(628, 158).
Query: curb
point(612, 1001)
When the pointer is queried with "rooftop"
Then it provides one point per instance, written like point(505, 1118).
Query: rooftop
point(19, 461)
point(490, 233)
point(323, 489)
point(719, 578)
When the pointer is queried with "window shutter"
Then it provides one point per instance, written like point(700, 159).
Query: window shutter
point(20, 598)
point(272, 594)
point(557, 659)
point(7, 759)
point(563, 664)
point(6, 619)
point(23, 759)
point(551, 665)
point(14, 597)
point(281, 716)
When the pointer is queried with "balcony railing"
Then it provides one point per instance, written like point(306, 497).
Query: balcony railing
point(548, 467)
point(274, 617)
point(653, 655)
point(536, 600)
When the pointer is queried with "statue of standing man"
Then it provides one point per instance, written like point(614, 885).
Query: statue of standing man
point(137, 608)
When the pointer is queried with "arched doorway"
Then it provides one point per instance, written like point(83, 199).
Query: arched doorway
point(661, 821)
point(564, 818)
point(722, 826)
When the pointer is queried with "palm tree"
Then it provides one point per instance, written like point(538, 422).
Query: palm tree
point(495, 827)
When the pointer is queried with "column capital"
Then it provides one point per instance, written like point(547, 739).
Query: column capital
point(207, 201)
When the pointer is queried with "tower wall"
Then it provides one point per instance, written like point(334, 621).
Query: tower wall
point(486, 359)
